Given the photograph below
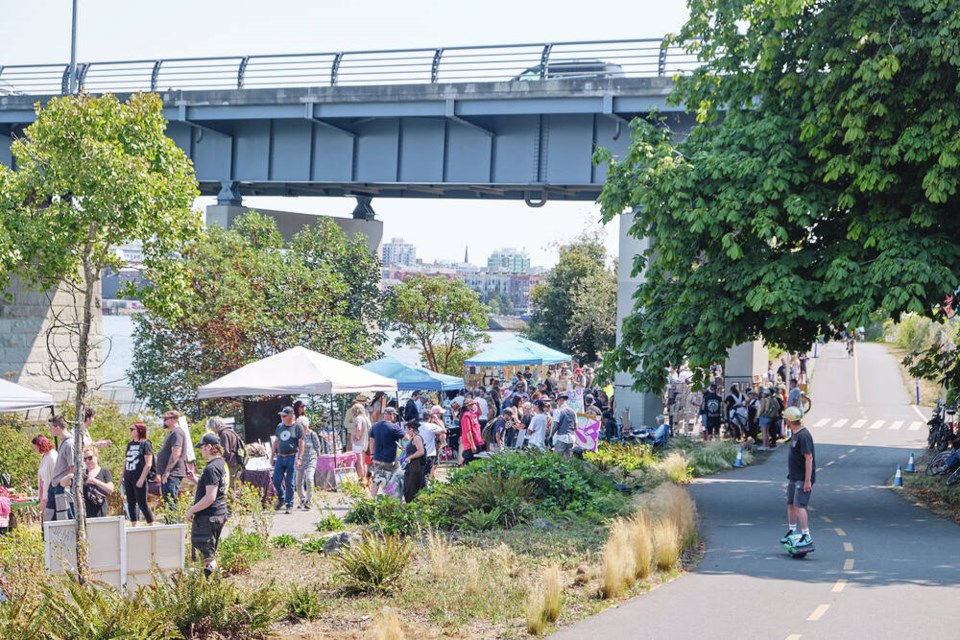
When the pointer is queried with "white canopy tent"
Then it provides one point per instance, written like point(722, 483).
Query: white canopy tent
point(296, 371)
point(14, 397)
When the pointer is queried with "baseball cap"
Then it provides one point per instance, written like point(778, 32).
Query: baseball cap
point(389, 410)
point(793, 414)
point(563, 396)
point(286, 411)
point(208, 438)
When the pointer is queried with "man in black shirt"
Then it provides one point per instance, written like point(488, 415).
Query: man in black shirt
point(410, 410)
point(711, 410)
point(801, 474)
point(209, 510)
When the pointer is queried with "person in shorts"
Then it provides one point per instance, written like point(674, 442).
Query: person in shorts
point(385, 434)
point(801, 474)
point(209, 511)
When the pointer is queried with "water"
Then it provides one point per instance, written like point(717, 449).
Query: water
point(119, 332)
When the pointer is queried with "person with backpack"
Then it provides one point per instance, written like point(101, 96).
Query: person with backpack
point(234, 453)
point(770, 411)
point(138, 467)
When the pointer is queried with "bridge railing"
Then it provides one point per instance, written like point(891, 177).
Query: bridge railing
point(534, 61)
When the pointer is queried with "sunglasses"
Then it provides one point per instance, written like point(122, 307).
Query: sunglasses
point(88, 457)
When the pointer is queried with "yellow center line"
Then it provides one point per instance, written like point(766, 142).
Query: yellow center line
point(838, 587)
point(848, 547)
point(840, 532)
point(848, 564)
point(818, 612)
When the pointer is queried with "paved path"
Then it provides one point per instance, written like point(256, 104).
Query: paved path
point(883, 568)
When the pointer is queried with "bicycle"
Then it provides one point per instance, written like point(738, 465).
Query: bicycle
point(805, 403)
point(938, 464)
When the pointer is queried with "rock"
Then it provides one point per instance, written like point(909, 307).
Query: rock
point(544, 524)
point(340, 541)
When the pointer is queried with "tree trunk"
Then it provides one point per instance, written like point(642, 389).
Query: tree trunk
point(83, 354)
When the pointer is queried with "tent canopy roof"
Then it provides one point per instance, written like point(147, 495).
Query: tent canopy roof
point(15, 397)
point(410, 378)
point(296, 371)
point(518, 351)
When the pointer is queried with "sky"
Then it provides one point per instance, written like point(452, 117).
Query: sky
point(38, 31)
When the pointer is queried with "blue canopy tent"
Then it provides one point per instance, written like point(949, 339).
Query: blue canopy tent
point(518, 351)
point(411, 378)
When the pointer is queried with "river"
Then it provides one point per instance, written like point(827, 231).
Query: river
point(119, 332)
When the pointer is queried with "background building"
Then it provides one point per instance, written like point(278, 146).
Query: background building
point(508, 261)
point(398, 252)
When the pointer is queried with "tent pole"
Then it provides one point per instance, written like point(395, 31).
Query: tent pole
point(333, 442)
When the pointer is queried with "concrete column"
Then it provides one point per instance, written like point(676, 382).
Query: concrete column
point(745, 361)
point(28, 332)
point(643, 407)
point(290, 223)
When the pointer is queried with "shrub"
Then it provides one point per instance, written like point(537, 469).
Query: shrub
point(210, 608)
point(641, 544)
point(677, 468)
point(22, 619)
point(239, 550)
point(16, 455)
point(304, 602)
point(625, 457)
point(247, 511)
point(330, 522)
point(552, 592)
point(283, 541)
point(391, 517)
point(534, 612)
point(373, 566)
point(666, 543)
point(478, 520)
point(312, 545)
point(353, 490)
point(21, 563)
point(618, 562)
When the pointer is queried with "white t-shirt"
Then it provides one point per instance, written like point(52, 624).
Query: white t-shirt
point(484, 408)
point(189, 451)
point(537, 430)
point(47, 463)
point(429, 431)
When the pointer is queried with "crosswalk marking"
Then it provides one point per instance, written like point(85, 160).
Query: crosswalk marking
point(915, 426)
point(839, 423)
point(874, 425)
point(896, 425)
point(858, 424)
point(878, 424)
point(821, 422)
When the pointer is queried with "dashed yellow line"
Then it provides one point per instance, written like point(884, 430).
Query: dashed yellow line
point(848, 547)
point(818, 613)
point(840, 532)
point(838, 587)
point(848, 564)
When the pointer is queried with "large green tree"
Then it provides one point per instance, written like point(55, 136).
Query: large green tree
point(820, 184)
point(575, 307)
point(441, 317)
point(94, 173)
point(253, 295)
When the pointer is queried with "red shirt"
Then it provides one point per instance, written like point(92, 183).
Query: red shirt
point(470, 430)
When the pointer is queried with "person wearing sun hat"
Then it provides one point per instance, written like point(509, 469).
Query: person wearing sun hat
point(801, 474)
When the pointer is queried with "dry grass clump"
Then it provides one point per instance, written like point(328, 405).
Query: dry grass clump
point(666, 543)
point(552, 592)
point(386, 626)
point(472, 577)
point(640, 542)
point(618, 562)
point(668, 501)
point(677, 467)
point(438, 550)
point(534, 611)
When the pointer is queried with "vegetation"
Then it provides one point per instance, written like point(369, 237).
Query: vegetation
point(330, 522)
point(303, 602)
point(826, 191)
point(253, 295)
point(239, 550)
point(575, 308)
point(373, 566)
point(442, 318)
point(498, 302)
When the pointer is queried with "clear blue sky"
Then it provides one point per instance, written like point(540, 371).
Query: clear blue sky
point(38, 31)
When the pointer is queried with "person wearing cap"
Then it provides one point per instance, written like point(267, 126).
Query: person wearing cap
point(172, 459)
point(208, 514)
point(589, 406)
point(385, 434)
point(566, 425)
point(286, 455)
point(801, 474)
point(470, 431)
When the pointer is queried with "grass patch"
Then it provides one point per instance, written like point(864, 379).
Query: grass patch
point(303, 602)
point(374, 566)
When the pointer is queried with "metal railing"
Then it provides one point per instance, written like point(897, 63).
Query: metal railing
point(538, 61)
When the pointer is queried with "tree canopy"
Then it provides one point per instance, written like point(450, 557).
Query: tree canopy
point(253, 295)
point(819, 185)
point(575, 307)
point(441, 317)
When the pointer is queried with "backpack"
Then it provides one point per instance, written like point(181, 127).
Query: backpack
point(236, 453)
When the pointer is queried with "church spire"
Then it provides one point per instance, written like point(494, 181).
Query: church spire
point(466, 257)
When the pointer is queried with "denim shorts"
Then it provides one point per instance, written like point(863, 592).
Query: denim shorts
point(796, 495)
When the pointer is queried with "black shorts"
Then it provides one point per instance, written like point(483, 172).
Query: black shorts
point(205, 535)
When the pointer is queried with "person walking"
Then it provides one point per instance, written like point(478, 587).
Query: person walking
point(136, 473)
point(566, 424)
point(63, 466)
point(48, 459)
point(360, 438)
point(307, 466)
point(470, 432)
point(171, 459)
point(385, 435)
point(234, 455)
point(801, 475)
point(434, 434)
point(413, 475)
point(209, 514)
point(286, 454)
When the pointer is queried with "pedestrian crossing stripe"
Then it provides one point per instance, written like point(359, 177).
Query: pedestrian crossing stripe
point(822, 422)
point(915, 426)
point(878, 424)
point(858, 424)
point(839, 423)
point(894, 425)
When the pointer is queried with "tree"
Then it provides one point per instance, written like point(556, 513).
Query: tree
point(442, 317)
point(826, 191)
point(254, 296)
point(575, 306)
point(93, 173)
point(498, 302)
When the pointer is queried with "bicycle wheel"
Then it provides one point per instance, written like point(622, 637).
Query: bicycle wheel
point(938, 464)
point(805, 403)
point(953, 478)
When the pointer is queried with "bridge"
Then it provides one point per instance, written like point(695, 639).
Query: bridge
point(518, 122)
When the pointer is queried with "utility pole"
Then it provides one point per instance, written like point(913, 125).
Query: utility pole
point(73, 51)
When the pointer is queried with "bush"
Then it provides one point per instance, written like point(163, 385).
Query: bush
point(677, 468)
point(374, 566)
point(239, 550)
point(304, 602)
point(508, 496)
point(624, 457)
point(283, 541)
point(21, 563)
point(16, 455)
point(477, 520)
point(312, 545)
point(204, 608)
point(330, 522)
point(391, 517)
